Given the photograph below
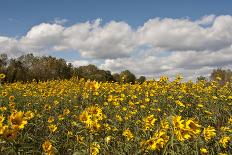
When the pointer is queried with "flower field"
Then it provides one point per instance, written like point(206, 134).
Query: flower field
point(86, 117)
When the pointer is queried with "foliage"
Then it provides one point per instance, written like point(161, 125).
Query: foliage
point(127, 77)
point(29, 67)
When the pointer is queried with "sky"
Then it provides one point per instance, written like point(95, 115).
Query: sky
point(149, 37)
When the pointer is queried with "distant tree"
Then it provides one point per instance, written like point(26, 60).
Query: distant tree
point(201, 78)
point(16, 71)
point(29, 67)
point(141, 79)
point(3, 62)
point(116, 77)
point(127, 77)
point(222, 76)
point(93, 73)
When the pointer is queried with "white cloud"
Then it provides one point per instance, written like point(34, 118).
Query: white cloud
point(206, 20)
point(60, 21)
point(78, 63)
point(159, 46)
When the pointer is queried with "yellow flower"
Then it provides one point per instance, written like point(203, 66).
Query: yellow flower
point(52, 127)
point(94, 148)
point(29, 115)
point(204, 151)
point(70, 134)
point(50, 119)
point(2, 128)
point(193, 127)
point(17, 120)
point(2, 118)
point(209, 133)
point(224, 141)
point(11, 98)
point(149, 122)
point(182, 134)
point(119, 118)
point(94, 126)
point(200, 105)
point(222, 154)
point(47, 107)
point(179, 103)
point(3, 108)
point(80, 139)
point(2, 76)
point(157, 142)
point(108, 139)
point(47, 147)
point(230, 120)
point(66, 111)
point(128, 134)
point(84, 117)
point(164, 124)
point(177, 122)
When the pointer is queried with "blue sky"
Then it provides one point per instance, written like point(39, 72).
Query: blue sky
point(148, 37)
point(18, 16)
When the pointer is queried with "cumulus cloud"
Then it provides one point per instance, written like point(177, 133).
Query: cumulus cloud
point(159, 46)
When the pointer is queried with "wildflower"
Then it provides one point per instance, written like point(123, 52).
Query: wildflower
point(52, 127)
point(200, 105)
point(230, 120)
point(47, 147)
point(47, 107)
point(108, 139)
point(177, 122)
point(80, 139)
point(11, 98)
point(179, 103)
point(2, 128)
point(128, 134)
point(193, 127)
point(17, 120)
point(164, 124)
point(70, 134)
point(209, 133)
point(60, 117)
point(94, 126)
point(50, 119)
point(84, 117)
point(94, 148)
point(203, 150)
point(2, 118)
point(222, 153)
point(149, 122)
point(29, 115)
point(119, 118)
point(224, 141)
point(2, 76)
point(182, 134)
point(66, 111)
point(157, 142)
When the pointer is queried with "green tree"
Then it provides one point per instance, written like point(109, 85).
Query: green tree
point(222, 76)
point(127, 77)
point(141, 79)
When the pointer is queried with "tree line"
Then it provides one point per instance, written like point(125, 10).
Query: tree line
point(221, 75)
point(28, 67)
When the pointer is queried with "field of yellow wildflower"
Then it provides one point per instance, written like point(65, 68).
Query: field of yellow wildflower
point(86, 117)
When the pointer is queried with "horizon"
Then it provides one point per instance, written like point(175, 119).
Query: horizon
point(148, 38)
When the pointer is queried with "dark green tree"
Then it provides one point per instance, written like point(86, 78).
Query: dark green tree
point(127, 77)
point(141, 79)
